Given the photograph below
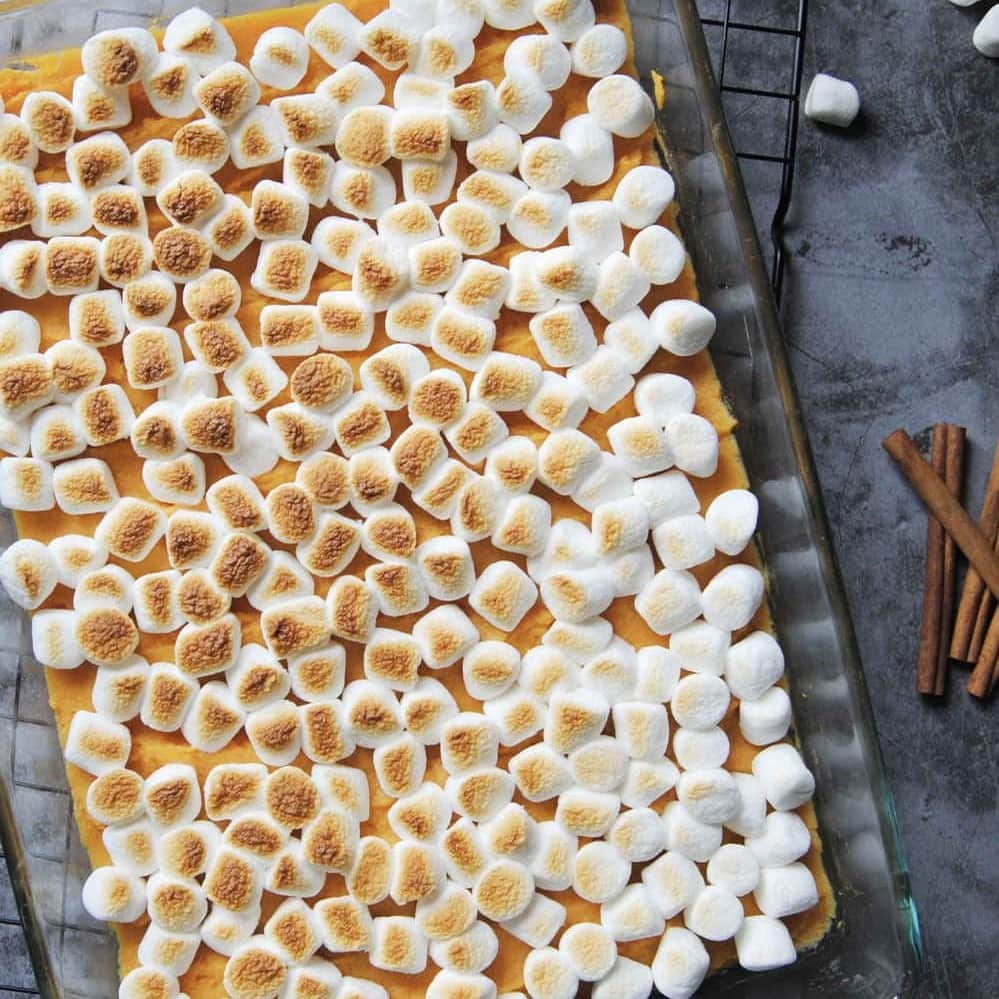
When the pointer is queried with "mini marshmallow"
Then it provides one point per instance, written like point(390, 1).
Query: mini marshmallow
point(599, 51)
point(182, 254)
point(280, 58)
point(464, 850)
point(49, 120)
point(619, 525)
point(558, 405)
point(203, 145)
point(669, 601)
point(192, 539)
point(56, 433)
point(230, 231)
point(274, 732)
point(784, 891)
point(28, 573)
point(545, 671)
point(658, 254)
point(471, 226)
point(258, 451)
point(168, 81)
point(601, 873)
point(254, 378)
point(766, 719)
point(621, 286)
point(118, 57)
point(257, 678)
point(444, 635)
point(564, 335)
point(540, 773)
point(284, 269)
point(592, 147)
point(503, 594)
point(645, 782)
point(443, 52)
point(536, 220)
point(710, 796)
point(763, 943)
point(306, 172)
point(689, 836)
point(346, 926)
point(446, 916)
point(541, 57)
point(638, 835)
point(407, 224)
point(389, 38)
point(509, 15)
point(590, 949)
point(299, 433)
point(152, 357)
point(673, 881)
point(523, 526)
point(167, 696)
point(753, 666)
point(683, 542)
point(97, 319)
point(599, 765)
point(496, 193)
point(683, 327)
point(611, 671)
point(480, 794)
point(333, 33)
point(526, 293)
point(118, 209)
point(422, 815)
point(372, 479)
point(71, 264)
point(417, 872)
point(226, 93)
point(368, 880)
point(732, 597)
point(517, 714)
point(400, 766)
point(200, 37)
point(353, 607)
point(504, 890)
point(603, 380)
point(157, 609)
point(555, 851)
point(641, 728)
point(152, 166)
point(397, 587)
point(73, 555)
point(630, 336)
point(833, 101)
point(644, 449)
point(95, 107)
point(473, 110)
point(700, 750)
point(176, 905)
point(430, 181)
point(786, 781)
point(371, 713)
point(169, 952)
point(278, 212)
point(619, 104)
point(580, 642)
point(469, 953)
point(505, 382)
point(586, 813)
point(693, 442)
point(256, 967)
point(548, 974)
point(681, 964)
point(22, 261)
point(731, 520)
point(172, 795)
point(147, 301)
point(780, 839)
point(565, 21)
point(714, 914)
point(115, 895)
point(110, 586)
point(362, 138)
point(496, 151)
point(293, 930)
point(413, 92)
point(643, 194)
point(316, 977)
point(397, 945)
point(538, 924)
point(132, 846)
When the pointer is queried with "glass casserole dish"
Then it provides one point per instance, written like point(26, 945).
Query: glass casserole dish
point(872, 948)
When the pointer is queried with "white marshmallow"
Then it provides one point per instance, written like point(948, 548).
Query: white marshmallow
point(547, 164)
point(667, 495)
point(642, 729)
point(526, 293)
point(364, 192)
point(28, 573)
point(413, 92)
point(591, 950)
point(540, 56)
point(781, 839)
point(694, 444)
point(626, 980)
point(564, 335)
point(734, 868)
point(604, 380)
point(689, 836)
point(619, 104)
point(700, 701)
point(544, 671)
point(630, 336)
point(538, 924)
point(517, 714)
point(498, 150)
point(169, 952)
point(389, 38)
point(444, 635)
point(681, 964)
point(258, 450)
point(985, 37)
point(94, 743)
point(763, 943)
point(444, 51)
point(27, 484)
point(766, 719)
point(700, 647)
point(731, 520)
point(114, 894)
point(334, 34)
point(732, 597)
point(754, 665)
point(74, 555)
point(428, 180)
point(599, 51)
point(670, 601)
point(684, 328)
point(200, 37)
point(547, 973)
point(620, 287)
point(643, 194)
point(833, 101)
point(645, 782)
point(600, 873)
point(19, 334)
point(577, 596)
point(468, 953)
point(786, 781)
point(660, 397)
point(714, 914)
point(638, 835)
point(536, 220)
point(700, 749)
point(522, 100)
point(213, 719)
point(540, 773)
point(784, 891)
point(593, 148)
point(748, 820)
point(673, 881)
point(132, 846)
point(599, 765)
point(580, 642)
point(608, 484)
point(683, 542)
point(595, 228)
point(611, 671)
point(22, 261)
point(659, 254)
point(280, 58)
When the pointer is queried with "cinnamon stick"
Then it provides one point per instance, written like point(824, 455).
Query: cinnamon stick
point(974, 610)
point(932, 490)
point(931, 620)
point(983, 677)
point(953, 477)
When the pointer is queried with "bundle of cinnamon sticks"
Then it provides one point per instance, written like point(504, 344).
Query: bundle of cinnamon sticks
point(972, 634)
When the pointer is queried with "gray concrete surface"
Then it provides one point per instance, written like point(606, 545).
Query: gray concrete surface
point(891, 309)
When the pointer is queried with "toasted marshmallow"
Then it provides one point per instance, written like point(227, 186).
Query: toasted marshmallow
point(73, 555)
point(362, 191)
point(592, 147)
point(763, 943)
point(710, 796)
point(114, 894)
point(517, 714)
point(497, 150)
point(175, 905)
point(226, 93)
point(619, 525)
point(669, 601)
point(540, 773)
point(20, 334)
point(683, 542)
point(275, 733)
point(202, 650)
point(98, 161)
point(468, 741)
point(489, 669)
point(400, 766)
point(96, 107)
point(464, 851)
point(522, 100)
point(503, 594)
point(579, 642)
point(410, 318)
point(447, 916)
point(575, 717)
point(389, 533)
point(372, 479)
point(334, 34)
point(547, 164)
point(388, 374)
point(118, 209)
point(683, 327)
point(119, 57)
point(416, 454)
point(202, 145)
point(316, 977)
point(96, 744)
point(444, 635)
point(473, 110)
point(97, 318)
point(167, 696)
point(599, 51)
point(619, 104)
point(147, 301)
point(353, 607)
point(22, 261)
point(632, 571)
point(526, 293)
point(420, 133)
point(545, 671)
point(256, 967)
point(644, 449)
point(132, 846)
point(192, 539)
point(480, 794)
point(284, 269)
point(444, 51)
point(689, 836)
point(256, 678)
point(506, 382)
point(471, 226)
point(353, 85)
point(732, 597)
point(417, 872)
point(168, 952)
point(191, 198)
point(595, 229)
point(182, 254)
point(71, 264)
point(152, 357)
point(252, 375)
point(599, 765)
point(673, 881)
point(630, 335)
point(212, 426)
point(28, 573)
point(363, 137)
point(479, 289)
point(49, 121)
point(784, 891)
point(201, 38)
point(461, 338)
point(280, 58)
point(429, 181)
point(422, 815)
point(495, 193)
point(503, 890)
point(557, 405)
point(368, 880)
point(638, 835)
point(398, 945)
point(257, 835)
point(230, 230)
point(389, 38)
point(132, 528)
point(153, 165)
point(536, 219)
point(56, 432)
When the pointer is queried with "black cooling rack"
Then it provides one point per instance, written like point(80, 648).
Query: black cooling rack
point(758, 46)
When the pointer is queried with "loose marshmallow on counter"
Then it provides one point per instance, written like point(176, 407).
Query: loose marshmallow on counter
point(422, 815)
point(28, 572)
point(22, 261)
point(118, 57)
point(670, 601)
point(95, 107)
point(114, 894)
point(832, 101)
point(662, 396)
point(683, 542)
point(694, 444)
point(27, 484)
point(684, 328)
point(538, 924)
point(986, 36)
point(638, 834)
point(731, 520)
point(600, 872)
point(536, 220)
point(784, 891)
